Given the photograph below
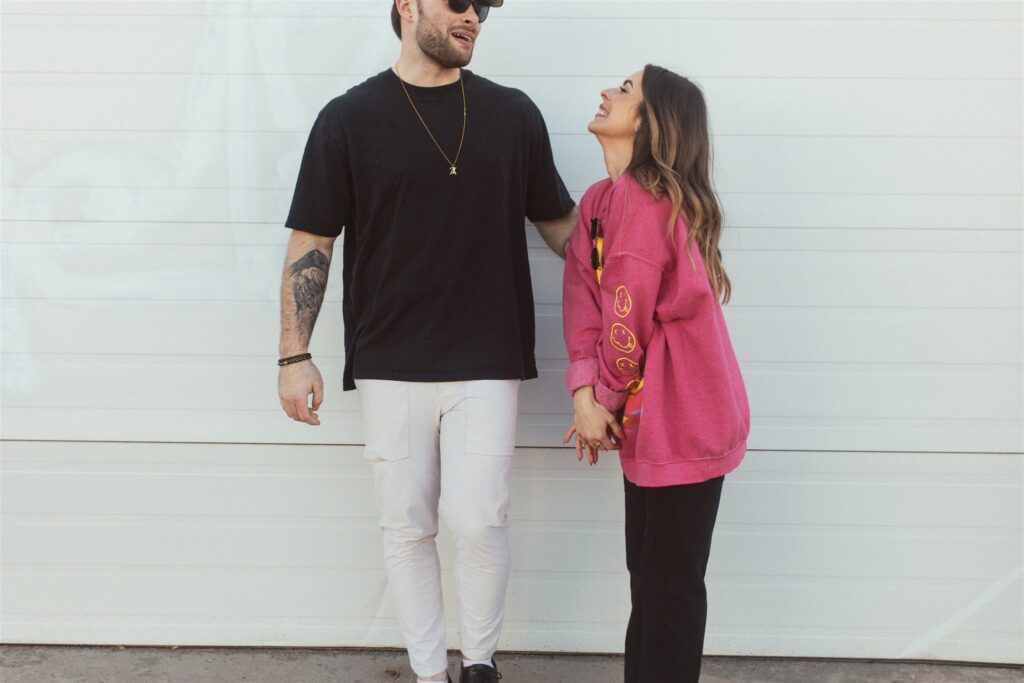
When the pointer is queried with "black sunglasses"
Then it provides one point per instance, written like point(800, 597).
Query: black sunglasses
point(595, 231)
point(482, 7)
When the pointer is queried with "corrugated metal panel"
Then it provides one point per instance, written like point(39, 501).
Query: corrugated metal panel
point(872, 179)
point(849, 554)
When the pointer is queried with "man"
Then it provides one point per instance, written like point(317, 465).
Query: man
point(431, 170)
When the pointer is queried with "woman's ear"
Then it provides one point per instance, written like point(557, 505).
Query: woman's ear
point(638, 117)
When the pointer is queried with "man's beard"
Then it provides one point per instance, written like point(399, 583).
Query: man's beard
point(436, 46)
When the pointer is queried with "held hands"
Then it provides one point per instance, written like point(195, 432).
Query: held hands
point(595, 428)
point(294, 385)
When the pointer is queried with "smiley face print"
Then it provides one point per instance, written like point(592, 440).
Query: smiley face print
point(627, 366)
point(622, 338)
point(623, 301)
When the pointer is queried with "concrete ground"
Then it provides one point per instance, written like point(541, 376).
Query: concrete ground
point(44, 664)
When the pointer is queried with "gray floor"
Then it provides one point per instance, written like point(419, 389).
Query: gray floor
point(41, 664)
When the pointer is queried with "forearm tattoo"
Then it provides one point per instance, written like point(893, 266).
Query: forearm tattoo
point(309, 281)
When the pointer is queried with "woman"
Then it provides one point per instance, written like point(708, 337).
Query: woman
point(652, 372)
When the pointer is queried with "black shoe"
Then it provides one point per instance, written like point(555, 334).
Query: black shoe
point(480, 673)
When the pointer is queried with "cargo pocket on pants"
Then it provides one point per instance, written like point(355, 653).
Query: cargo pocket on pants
point(491, 417)
point(385, 418)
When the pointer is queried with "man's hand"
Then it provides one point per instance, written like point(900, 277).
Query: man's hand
point(295, 383)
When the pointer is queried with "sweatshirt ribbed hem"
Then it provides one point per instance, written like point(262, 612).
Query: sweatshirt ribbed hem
point(684, 471)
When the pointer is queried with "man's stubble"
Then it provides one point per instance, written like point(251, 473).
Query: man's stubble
point(435, 44)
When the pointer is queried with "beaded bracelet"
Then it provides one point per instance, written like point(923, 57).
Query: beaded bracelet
point(294, 359)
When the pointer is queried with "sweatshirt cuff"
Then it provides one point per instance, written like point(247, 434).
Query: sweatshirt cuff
point(609, 398)
point(581, 373)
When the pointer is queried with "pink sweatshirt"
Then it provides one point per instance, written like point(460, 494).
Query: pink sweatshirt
point(653, 315)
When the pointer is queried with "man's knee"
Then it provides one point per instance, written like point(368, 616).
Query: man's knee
point(409, 522)
point(476, 525)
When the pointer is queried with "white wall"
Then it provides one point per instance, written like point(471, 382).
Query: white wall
point(870, 161)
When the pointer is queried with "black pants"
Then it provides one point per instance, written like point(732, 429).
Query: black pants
point(668, 541)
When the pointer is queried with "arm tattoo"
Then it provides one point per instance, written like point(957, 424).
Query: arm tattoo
point(309, 281)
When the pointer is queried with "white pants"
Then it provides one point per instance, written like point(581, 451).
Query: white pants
point(449, 443)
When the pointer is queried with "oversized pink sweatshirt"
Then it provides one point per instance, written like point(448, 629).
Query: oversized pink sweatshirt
point(653, 316)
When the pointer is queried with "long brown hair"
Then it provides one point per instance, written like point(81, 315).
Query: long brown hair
point(672, 156)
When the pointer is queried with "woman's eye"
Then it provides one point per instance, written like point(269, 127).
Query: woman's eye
point(622, 90)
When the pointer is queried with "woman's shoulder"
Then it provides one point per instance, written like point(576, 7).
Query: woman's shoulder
point(643, 198)
point(592, 193)
point(640, 205)
point(646, 217)
point(613, 195)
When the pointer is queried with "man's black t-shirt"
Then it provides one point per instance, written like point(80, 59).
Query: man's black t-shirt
point(436, 277)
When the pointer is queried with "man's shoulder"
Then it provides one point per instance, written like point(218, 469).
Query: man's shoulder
point(508, 94)
point(356, 99)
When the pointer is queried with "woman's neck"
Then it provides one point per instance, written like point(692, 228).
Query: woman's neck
point(618, 152)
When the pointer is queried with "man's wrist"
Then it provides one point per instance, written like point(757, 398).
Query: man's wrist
point(296, 358)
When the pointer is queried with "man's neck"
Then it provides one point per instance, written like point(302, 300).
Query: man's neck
point(418, 69)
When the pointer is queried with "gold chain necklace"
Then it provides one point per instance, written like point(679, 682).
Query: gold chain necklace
point(451, 162)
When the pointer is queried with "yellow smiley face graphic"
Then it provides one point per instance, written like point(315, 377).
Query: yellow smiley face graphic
point(627, 366)
point(623, 302)
point(622, 338)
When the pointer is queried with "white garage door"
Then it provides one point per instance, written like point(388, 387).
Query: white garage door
point(869, 158)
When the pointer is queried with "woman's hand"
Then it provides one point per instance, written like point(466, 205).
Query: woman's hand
point(595, 428)
point(591, 451)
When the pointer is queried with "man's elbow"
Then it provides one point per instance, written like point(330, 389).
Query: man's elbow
point(558, 232)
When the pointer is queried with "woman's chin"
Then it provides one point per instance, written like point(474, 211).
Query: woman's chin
point(595, 125)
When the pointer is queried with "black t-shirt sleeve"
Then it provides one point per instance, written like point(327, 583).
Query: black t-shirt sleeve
point(322, 202)
point(546, 196)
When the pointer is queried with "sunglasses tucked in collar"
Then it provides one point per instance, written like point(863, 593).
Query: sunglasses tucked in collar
point(597, 246)
point(482, 7)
